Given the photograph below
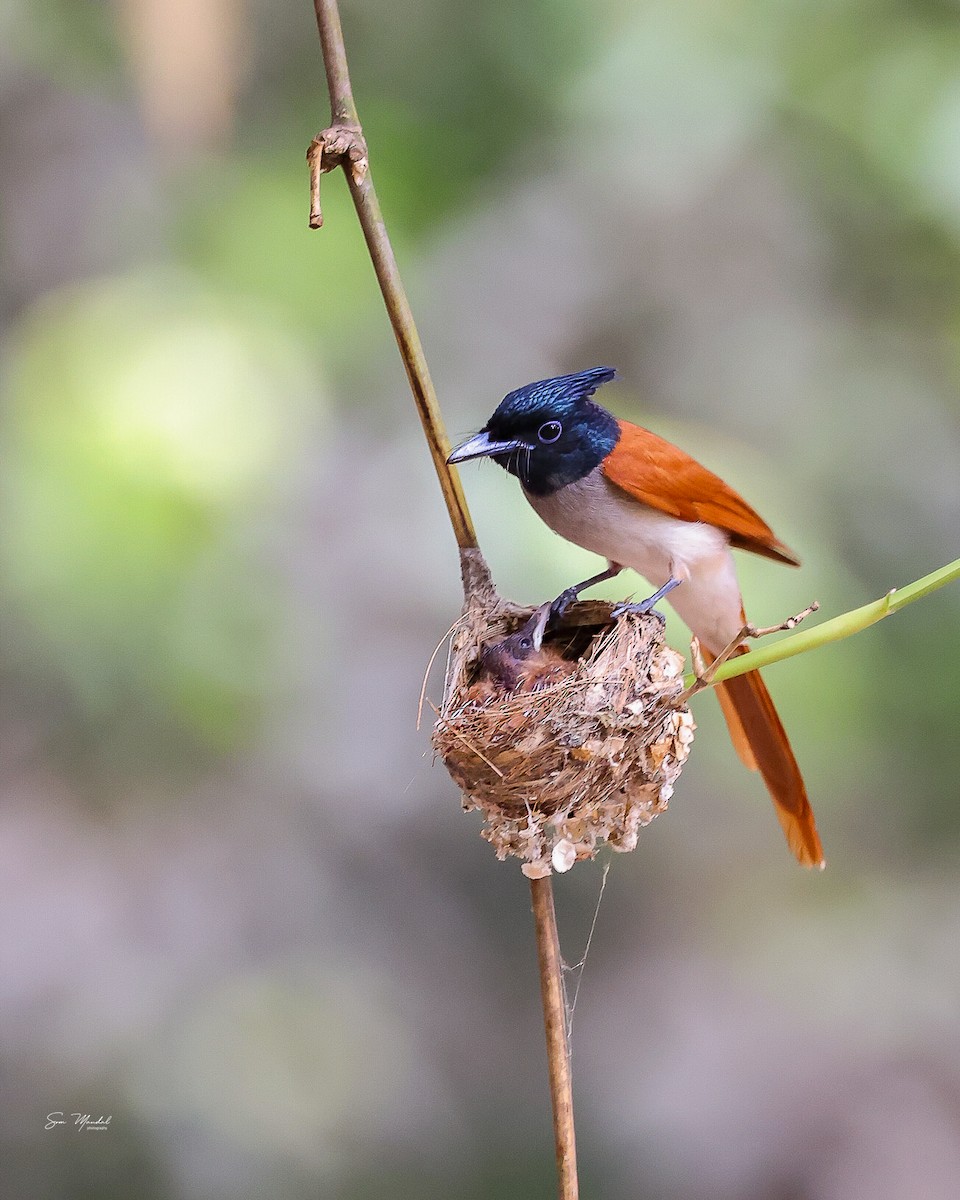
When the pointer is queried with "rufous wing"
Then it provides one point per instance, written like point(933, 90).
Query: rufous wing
point(659, 474)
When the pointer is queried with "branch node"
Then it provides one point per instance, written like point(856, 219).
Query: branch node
point(341, 145)
point(705, 673)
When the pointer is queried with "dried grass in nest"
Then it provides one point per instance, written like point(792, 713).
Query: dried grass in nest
point(587, 760)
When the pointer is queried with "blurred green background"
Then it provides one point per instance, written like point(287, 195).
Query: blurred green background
point(240, 910)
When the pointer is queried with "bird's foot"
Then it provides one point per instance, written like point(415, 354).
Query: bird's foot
point(647, 606)
point(567, 597)
point(562, 603)
point(639, 609)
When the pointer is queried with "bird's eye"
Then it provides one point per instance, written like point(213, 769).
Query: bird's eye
point(549, 431)
point(525, 643)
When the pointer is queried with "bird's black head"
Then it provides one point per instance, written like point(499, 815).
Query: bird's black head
point(548, 433)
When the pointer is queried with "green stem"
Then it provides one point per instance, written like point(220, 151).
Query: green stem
point(836, 628)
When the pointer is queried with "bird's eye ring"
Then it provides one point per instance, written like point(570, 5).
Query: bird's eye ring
point(549, 431)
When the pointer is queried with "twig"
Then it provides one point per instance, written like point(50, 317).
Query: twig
point(555, 1022)
point(343, 144)
point(836, 628)
point(705, 674)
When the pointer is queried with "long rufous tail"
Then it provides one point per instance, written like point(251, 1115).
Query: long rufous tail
point(762, 744)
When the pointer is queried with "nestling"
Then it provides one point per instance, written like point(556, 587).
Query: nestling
point(520, 662)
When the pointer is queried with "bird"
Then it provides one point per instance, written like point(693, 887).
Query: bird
point(520, 662)
point(625, 493)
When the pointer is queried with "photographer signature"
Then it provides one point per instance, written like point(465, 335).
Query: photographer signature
point(81, 1121)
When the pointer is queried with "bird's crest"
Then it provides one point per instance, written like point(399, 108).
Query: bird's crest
point(561, 389)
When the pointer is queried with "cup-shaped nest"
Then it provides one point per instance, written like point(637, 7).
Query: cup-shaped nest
point(580, 749)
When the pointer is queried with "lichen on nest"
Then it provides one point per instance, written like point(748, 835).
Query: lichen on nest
point(586, 755)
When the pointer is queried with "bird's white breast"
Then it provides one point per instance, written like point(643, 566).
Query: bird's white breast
point(595, 514)
point(598, 516)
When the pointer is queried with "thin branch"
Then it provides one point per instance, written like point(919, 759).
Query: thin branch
point(343, 144)
point(555, 1024)
point(342, 107)
point(347, 148)
point(834, 629)
point(705, 674)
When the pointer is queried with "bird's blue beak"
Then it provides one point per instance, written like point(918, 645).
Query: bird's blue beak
point(483, 446)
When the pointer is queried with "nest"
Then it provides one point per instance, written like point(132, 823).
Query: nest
point(583, 755)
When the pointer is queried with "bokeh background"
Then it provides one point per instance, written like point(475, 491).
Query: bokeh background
point(240, 910)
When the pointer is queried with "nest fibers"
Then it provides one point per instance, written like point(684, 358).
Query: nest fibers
point(588, 757)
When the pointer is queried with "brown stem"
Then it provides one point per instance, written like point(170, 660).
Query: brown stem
point(555, 1023)
point(342, 108)
point(343, 112)
point(343, 145)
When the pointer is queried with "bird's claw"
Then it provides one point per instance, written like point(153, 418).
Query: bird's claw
point(642, 609)
point(562, 603)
